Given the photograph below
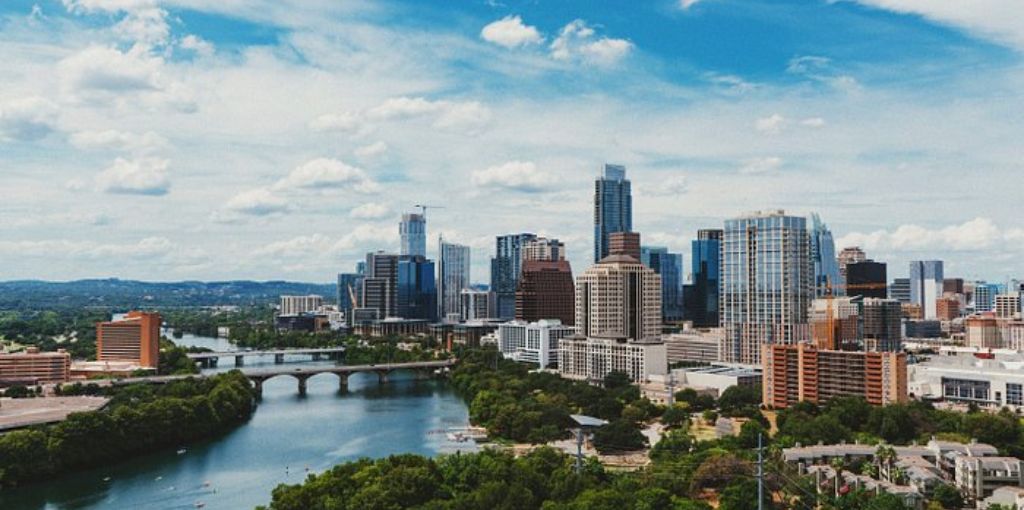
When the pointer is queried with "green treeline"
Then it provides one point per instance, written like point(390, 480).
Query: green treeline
point(138, 419)
point(849, 419)
point(518, 405)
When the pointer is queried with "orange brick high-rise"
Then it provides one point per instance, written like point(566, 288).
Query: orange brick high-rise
point(134, 338)
point(797, 373)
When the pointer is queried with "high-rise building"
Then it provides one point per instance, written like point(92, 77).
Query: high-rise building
point(900, 290)
point(983, 332)
point(867, 279)
point(543, 248)
point(827, 280)
point(701, 297)
point(380, 285)
point(32, 367)
point(477, 305)
point(626, 243)
point(953, 286)
point(350, 287)
point(452, 276)
point(926, 285)
point(506, 267)
point(881, 324)
point(619, 298)
point(839, 331)
point(618, 322)
point(134, 338)
point(613, 207)
point(799, 373)
point(984, 296)
point(1007, 305)
point(850, 255)
point(532, 342)
point(297, 305)
point(766, 286)
point(669, 267)
point(416, 290)
point(413, 233)
point(947, 308)
point(546, 292)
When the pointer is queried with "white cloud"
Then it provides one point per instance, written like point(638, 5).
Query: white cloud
point(514, 175)
point(771, 125)
point(196, 44)
point(255, 202)
point(577, 41)
point(151, 250)
point(323, 173)
point(372, 150)
point(143, 22)
point(111, 139)
point(999, 20)
point(469, 117)
point(511, 32)
point(27, 119)
point(405, 107)
point(345, 122)
point(686, 4)
point(813, 122)
point(370, 211)
point(100, 68)
point(295, 247)
point(823, 70)
point(979, 234)
point(465, 116)
point(672, 186)
point(761, 165)
point(141, 176)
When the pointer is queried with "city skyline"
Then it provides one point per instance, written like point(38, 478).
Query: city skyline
point(156, 140)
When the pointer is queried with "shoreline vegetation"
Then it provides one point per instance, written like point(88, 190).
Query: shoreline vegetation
point(139, 419)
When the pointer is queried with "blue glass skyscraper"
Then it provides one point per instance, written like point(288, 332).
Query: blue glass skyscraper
point(823, 255)
point(613, 207)
point(670, 267)
point(416, 291)
point(506, 267)
point(926, 278)
point(701, 296)
point(413, 233)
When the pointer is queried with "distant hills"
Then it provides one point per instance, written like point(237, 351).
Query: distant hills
point(125, 294)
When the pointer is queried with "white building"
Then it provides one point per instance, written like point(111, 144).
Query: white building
point(967, 379)
point(477, 305)
point(693, 345)
point(533, 342)
point(979, 477)
point(295, 305)
point(591, 359)
point(1008, 305)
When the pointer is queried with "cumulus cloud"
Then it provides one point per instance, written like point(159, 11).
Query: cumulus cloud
point(27, 119)
point(328, 173)
point(761, 165)
point(140, 176)
point(466, 116)
point(813, 122)
point(103, 74)
point(998, 20)
point(771, 125)
point(255, 202)
point(578, 41)
point(672, 186)
point(370, 211)
point(154, 249)
point(514, 175)
point(196, 44)
point(299, 246)
point(344, 122)
point(111, 139)
point(511, 32)
point(372, 150)
point(144, 22)
point(973, 235)
point(686, 4)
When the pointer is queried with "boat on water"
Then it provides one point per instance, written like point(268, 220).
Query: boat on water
point(200, 504)
point(106, 478)
point(181, 451)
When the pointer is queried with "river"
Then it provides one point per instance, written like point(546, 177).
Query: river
point(286, 436)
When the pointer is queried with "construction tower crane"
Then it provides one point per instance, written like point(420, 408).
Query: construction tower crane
point(423, 208)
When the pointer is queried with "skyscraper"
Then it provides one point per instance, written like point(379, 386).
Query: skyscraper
point(850, 255)
point(984, 296)
point(926, 285)
point(546, 291)
point(827, 280)
point(505, 269)
point(416, 291)
point(543, 248)
point(867, 279)
point(452, 276)
point(380, 284)
point(350, 287)
point(613, 207)
point(134, 338)
point(669, 267)
point(413, 233)
point(766, 286)
point(701, 296)
point(900, 290)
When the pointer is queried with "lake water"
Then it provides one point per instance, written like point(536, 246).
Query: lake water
point(286, 436)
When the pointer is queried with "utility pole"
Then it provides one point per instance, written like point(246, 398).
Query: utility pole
point(760, 474)
point(579, 451)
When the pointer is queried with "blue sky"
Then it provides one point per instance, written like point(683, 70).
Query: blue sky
point(281, 139)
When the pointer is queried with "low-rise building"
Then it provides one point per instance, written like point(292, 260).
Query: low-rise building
point(979, 477)
point(392, 326)
point(711, 380)
point(32, 367)
point(532, 342)
point(591, 359)
point(693, 346)
point(990, 380)
point(1007, 497)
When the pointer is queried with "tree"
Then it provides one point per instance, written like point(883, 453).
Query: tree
point(948, 497)
point(741, 495)
point(710, 417)
point(676, 417)
point(616, 380)
point(619, 436)
point(736, 399)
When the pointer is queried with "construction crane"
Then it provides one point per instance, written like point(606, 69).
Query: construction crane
point(423, 208)
point(352, 296)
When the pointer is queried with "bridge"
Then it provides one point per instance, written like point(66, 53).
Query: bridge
point(210, 359)
point(258, 376)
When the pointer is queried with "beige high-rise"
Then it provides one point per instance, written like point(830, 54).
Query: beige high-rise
point(619, 298)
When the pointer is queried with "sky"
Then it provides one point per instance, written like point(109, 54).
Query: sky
point(282, 139)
